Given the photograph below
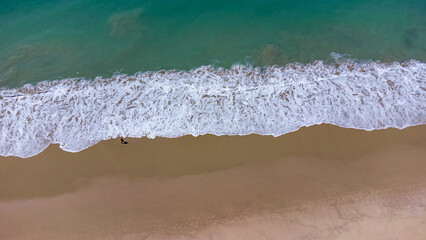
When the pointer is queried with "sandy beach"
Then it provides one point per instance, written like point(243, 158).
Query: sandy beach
point(321, 182)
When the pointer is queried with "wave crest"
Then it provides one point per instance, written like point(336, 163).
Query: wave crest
point(241, 100)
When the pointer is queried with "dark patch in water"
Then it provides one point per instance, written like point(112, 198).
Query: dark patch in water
point(410, 37)
point(125, 23)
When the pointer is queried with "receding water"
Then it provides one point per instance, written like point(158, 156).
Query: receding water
point(55, 39)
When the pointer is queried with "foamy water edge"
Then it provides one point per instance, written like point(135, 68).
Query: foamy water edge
point(241, 100)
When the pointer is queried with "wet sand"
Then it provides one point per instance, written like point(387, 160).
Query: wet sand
point(321, 182)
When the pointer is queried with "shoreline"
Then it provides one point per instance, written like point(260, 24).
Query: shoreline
point(196, 187)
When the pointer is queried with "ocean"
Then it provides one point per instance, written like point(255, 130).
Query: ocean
point(78, 72)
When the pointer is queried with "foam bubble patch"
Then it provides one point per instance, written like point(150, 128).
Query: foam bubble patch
point(77, 114)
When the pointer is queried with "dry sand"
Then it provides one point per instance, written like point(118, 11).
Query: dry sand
point(321, 182)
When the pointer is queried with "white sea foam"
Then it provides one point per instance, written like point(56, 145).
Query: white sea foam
point(241, 100)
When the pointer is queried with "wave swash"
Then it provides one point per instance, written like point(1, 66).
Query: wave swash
point(241, 100)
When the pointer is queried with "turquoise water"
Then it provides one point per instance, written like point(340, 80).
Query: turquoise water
point(54, 39)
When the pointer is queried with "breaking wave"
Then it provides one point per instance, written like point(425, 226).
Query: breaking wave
point(77, 113)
